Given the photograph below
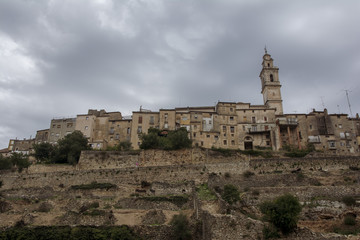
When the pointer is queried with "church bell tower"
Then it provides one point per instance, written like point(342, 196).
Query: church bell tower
point(270, 84)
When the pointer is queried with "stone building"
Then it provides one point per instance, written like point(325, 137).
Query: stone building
point(233, 125)
point(59, 128)
point(24, 146)
point(99, 127)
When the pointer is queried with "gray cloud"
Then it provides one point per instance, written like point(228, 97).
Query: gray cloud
point(60, 58)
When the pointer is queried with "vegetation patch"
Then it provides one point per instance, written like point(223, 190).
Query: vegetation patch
point(231, 194)
point(18, 160)
point(349, 200)
point(248, 174)
point(66, 232)
point(205, 193)
point(180, 226)
point(283, 212)
point(94, 185)
point(166, 140)
point(178, 200)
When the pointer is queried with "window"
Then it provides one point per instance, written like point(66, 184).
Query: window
point(216, 137)
point(340, 125)
point(232, 142)
point(166, 117)
point(265, 119)
point(332, 144)
point(243, 127)
point(140, 119)
point(267, 143)
point(231, 109)
point(253, 119)
point(59, 126)
point(151, 120)
point(266, 127)
point(117, 136)
point(54, 125)
point(196, 116)
point(128, 131)
point(231, 118)
point(69, 125)
point(232, 129)
point(224, 128)
point(202, 143)
point(139, 130)
point(210, 122)
point(166, 125)
point(253, 128)
point(57, 135)
point(87, 118)
point(184, 118)
point(310, 127)
point(208, 136)
point(194, 134)
point(244, 119)
point(225, 142)
point(271, 78)
point(86, 127)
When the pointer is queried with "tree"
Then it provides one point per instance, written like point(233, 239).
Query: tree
point(5, 163)
point(180, 225)
point(69, 148)
point(283, 212)
point(20, 160)
point(168, 140)
point(44, 152)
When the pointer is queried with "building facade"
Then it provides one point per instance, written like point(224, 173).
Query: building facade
point(233, 125)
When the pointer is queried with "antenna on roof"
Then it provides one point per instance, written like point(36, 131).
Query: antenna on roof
point(265, 49)
point(347, 97)
point(322, 101)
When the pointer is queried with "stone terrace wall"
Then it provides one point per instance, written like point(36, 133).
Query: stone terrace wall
point(170, 174)
point(214, 161)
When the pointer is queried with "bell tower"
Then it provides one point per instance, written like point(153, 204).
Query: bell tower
point(270, 84)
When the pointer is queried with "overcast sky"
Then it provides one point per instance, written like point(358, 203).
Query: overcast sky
point(59, 58)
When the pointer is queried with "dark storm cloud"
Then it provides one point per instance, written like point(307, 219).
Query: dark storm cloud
point(60, 58)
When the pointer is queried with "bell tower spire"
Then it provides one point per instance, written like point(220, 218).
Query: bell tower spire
point(270, 84)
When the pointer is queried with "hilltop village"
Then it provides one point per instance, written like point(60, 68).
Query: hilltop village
point(229, 125)
point(198, 193)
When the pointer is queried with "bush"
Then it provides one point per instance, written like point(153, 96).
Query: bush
point(283, 212)
point(350, 220)
point(349, 201)
point(231, 194)
point(180, 225)
point(248, 174)
point(205, 193)
point(269, 232)
point(94, 185)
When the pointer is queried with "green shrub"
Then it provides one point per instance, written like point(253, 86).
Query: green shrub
point(283, 212)
point(248, 174)
point(231, 194)
point(180, 226)
point(94, 185)
point(349, 201)
point(205, 193)
point(350, 220)
point(5, 163)
point(270, 232)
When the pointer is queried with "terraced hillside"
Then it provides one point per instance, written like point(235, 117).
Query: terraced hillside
point(145, 190)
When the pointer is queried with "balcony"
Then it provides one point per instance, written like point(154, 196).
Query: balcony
point(258, 129)
point(287, 121)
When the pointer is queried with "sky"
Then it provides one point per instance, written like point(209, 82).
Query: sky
point(59, 58)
